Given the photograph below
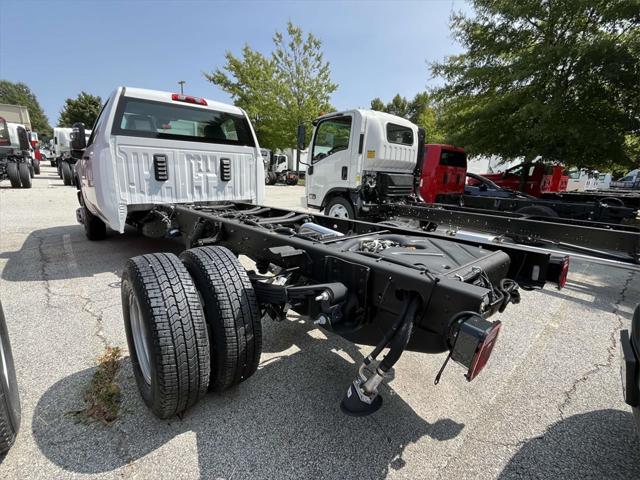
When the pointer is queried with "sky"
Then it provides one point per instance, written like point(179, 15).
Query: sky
point(59, 48)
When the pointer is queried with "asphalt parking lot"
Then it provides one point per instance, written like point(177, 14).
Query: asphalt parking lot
point(548, 405)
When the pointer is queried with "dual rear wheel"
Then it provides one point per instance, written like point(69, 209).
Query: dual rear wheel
point(19, 174)
point(192, 325)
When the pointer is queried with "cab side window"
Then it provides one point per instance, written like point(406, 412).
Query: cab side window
point(332, 135)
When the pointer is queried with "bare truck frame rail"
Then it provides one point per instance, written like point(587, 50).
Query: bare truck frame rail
point(612, 243)
point(369, 283)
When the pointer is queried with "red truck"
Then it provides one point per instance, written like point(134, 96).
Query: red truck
point(542, 178)
point(444, 170)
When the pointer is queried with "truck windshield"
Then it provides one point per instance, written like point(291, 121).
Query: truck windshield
point(4, 133)
point(145, 118)
point(449, 158)
point(332, 135)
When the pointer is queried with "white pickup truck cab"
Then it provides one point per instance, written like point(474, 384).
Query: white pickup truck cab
point(358, 156)
point(582, 180)
point(149, 147)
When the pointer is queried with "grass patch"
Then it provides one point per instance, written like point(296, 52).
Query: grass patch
point(103, 398)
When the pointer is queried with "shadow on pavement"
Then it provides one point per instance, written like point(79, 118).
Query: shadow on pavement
point(284, 422)
point(600, 444)
point(64, 252)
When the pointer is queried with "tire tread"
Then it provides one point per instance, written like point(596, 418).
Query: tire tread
point(232, 313)
point(180, 344)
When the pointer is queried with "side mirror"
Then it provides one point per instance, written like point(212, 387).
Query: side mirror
point(23, 139)
point(78, 139)
point(302, 133)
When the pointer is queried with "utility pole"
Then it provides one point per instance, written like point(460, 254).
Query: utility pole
point(182, 82)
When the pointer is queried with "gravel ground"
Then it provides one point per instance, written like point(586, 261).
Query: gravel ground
point(549, 404)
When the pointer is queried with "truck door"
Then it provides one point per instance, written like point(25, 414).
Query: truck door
point(331, 159)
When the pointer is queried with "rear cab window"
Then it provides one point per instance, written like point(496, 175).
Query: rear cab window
point(449, 158)
point(399, 134)
point(137, 117)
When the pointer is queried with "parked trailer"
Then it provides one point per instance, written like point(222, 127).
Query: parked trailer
point(193, 322)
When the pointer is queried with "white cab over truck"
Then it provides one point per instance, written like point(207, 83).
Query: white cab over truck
point(359, 159)
point(62, 150)
point(149, 147)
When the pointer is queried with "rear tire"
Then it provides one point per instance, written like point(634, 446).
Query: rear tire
point(94, 228)
point(9, 397)
point(25, 174)
point(67, 178)
point(232, 312)
point(36, 167)
point(13, 174)
point(339, 207)
point(166, 333)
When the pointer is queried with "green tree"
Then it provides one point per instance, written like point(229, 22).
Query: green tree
point(85, 108)
point(291, 86)
point(556, 78)
point(20, 94)
point(419, 111)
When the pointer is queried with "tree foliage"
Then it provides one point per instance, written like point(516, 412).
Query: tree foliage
point(85, 108)
point(290, 86)
point(20, 94)
point(419, 111)
point(556, 78)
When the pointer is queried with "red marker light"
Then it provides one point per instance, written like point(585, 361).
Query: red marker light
point(484, 351)
point(564, 273)
point(188, 99)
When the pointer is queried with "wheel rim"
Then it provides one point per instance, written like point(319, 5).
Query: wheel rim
point(139, 332)
point(338, 211)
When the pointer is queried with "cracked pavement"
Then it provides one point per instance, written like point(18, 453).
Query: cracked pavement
point(548, 405)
